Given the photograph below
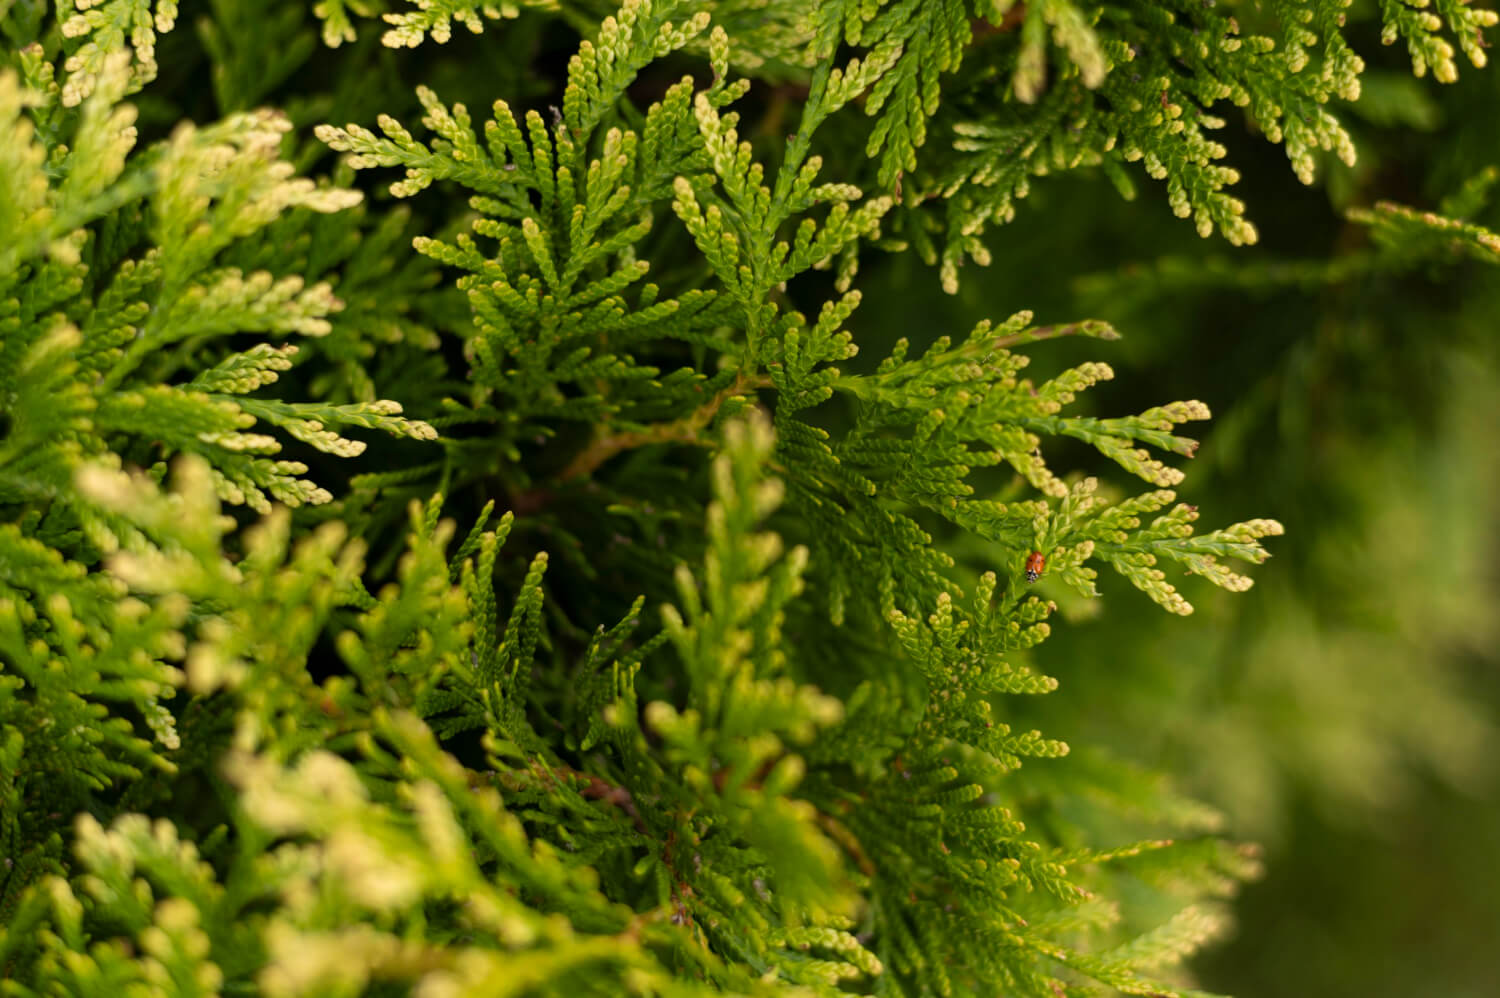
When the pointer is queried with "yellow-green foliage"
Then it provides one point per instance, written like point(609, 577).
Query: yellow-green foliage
point(719, 703)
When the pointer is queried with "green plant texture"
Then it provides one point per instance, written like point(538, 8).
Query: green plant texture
point(461, 535)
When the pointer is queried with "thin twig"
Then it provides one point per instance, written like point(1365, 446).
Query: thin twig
point(686, 430)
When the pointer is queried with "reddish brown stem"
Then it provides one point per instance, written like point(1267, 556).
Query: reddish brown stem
point(686, 430)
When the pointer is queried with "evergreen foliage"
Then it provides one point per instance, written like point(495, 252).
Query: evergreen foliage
point(722, 701)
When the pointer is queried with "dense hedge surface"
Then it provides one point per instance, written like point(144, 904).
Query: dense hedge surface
point(574, 504)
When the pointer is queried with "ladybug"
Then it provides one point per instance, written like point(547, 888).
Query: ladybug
point(1035, 566)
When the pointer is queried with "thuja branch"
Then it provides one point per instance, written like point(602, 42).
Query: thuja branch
point(687, 430)
point(1087, 327)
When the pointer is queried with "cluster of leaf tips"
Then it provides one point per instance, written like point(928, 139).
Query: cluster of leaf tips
point(227, 764)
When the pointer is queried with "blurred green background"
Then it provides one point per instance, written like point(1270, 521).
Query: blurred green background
point(1344, 712)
